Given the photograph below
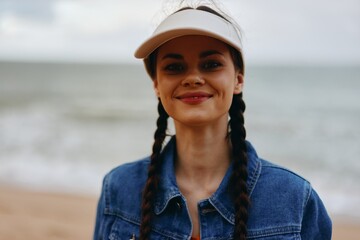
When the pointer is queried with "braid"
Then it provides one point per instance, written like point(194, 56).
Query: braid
point(153, 173)
point(239, 175)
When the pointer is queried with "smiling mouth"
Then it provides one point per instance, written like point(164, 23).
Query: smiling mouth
point(194, 98)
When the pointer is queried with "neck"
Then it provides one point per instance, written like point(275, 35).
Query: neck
point(203, 153)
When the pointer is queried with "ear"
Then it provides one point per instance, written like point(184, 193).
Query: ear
point(155, 85)
point(239, 83)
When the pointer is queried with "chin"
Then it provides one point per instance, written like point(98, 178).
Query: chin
point(200, 120)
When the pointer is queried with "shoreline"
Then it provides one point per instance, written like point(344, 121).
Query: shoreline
point(40, 215)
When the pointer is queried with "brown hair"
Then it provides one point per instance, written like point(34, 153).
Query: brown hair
point(237, 136)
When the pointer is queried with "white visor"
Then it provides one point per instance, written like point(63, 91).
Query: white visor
point(190, 22)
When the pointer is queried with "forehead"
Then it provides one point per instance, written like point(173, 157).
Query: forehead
point(192, 44)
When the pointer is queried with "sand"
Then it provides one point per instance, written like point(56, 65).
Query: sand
point(32, 215)
point(37, 215)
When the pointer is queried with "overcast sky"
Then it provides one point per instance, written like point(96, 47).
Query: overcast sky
point(282, 31)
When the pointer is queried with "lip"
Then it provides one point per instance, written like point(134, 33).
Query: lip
point(194, 97)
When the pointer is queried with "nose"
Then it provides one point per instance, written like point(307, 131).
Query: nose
point(193, 80)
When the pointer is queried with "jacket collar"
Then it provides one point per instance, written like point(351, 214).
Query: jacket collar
point(221, 199)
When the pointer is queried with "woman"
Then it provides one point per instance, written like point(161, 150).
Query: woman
point(207, 182)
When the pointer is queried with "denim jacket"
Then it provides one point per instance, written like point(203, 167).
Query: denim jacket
point(283, 204)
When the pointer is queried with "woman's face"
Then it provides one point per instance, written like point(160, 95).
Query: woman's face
point(196, 79)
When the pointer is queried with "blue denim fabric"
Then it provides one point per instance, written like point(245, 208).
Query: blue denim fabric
point(283, 205)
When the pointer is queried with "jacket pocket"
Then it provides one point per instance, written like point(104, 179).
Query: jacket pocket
point(291, 236)
point(275, 233)
point(280, 236)
point(125, 230)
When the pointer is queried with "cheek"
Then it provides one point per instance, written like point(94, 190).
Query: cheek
point(225, 86)
point(165, 89)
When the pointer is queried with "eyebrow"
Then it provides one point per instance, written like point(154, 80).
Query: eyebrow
point(202, 55)
point(172, 55)
point(209, 53)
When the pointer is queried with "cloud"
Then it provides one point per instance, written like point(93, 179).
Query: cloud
point(89, 19)
point(110, 30)
point(73, 30)
point(301, 30)
point(36, 10)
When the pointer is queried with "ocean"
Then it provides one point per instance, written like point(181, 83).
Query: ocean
point(64, 126)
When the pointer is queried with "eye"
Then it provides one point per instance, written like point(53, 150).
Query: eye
point(174, 68)
point(211, 65)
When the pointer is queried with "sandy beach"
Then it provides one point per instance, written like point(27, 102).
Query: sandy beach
point(38, 216)
point(35, 215)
